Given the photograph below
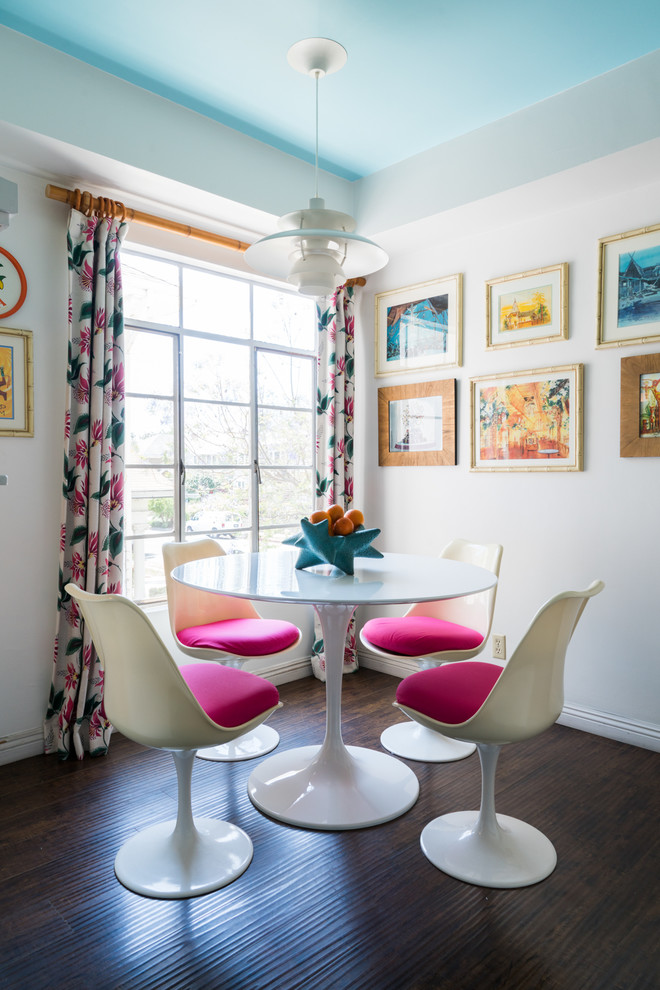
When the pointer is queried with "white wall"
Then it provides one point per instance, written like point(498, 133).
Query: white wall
point(30, 504)
point(558, 530)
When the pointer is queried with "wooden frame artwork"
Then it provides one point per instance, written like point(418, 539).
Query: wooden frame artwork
point(529, 308)
point(527, 420)
point(629, 288)
point(420, 328)
point(640, 406)
point(16, 383)
point(417, 424)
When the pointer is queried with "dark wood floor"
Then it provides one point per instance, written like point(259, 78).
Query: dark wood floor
point(359, 910)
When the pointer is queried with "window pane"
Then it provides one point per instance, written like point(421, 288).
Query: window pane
point(217, 500)
point(271, 539)
point(284, 496)
point(284, 380)
point(215, 304)
point(212, 370)
point(238, 542)
point(283, 318)
point(149, 500)
point(149, 362)
point(285, 437)
point(149, 431)
point(151, 289)
point(216, 434)
point(144, 574)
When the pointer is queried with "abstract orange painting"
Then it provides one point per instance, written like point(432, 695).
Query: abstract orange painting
point(528, 420)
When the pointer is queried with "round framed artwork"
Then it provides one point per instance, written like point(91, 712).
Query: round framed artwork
point(13, 285)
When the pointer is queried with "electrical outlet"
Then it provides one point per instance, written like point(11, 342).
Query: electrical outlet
point(499, 647)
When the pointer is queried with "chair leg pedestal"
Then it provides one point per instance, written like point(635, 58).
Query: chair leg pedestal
point(486, 849)
point(186, 857)
point(516, 855)
point(260, 741)
point(413, 741)
point(159, 863)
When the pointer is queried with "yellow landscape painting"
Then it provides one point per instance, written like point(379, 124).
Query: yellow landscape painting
point(525, 308)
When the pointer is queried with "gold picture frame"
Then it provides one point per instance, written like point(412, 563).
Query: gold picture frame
point(640, 406)
point(419, 328)
point(417, 424)
point(527, 420)
point(16, 383)
point(628, 310)
point(528, 308)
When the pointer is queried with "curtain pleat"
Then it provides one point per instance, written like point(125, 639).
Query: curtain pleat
point(334, 432)
point(91, 534)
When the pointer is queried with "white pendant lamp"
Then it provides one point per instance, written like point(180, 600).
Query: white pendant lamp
point(316, 249)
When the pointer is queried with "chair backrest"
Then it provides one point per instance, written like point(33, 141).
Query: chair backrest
point(473, 611)
point(190, 606)
point(144, 695)
point(529, 695)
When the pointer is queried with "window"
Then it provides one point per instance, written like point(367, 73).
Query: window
point(220, 432)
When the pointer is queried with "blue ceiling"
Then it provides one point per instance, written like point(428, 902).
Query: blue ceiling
point(419, 72)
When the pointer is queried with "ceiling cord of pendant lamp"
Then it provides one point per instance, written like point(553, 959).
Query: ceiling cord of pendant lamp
point(316, 249)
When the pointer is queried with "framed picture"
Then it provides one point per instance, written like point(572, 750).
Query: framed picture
point(13, 285)
point(420, 328)
point(640, 406)
point(417, 424)
point(629, 288)
point(16, 384)
point(527, 420)
point(530, 308)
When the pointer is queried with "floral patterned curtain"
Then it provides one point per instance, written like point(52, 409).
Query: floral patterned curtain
point(334, 432)
point(91, 534)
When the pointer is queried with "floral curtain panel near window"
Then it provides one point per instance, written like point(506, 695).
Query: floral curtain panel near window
point(334, 433)
point(91, 533)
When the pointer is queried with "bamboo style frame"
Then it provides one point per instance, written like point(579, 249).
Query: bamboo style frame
point(608, 335)
point(553, 462)
point(21, 378)
point(557, 277)
point(396, 302)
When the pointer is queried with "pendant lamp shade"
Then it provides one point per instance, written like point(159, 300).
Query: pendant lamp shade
point(316, 249)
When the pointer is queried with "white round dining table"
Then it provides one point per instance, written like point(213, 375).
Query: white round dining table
point(334, 786)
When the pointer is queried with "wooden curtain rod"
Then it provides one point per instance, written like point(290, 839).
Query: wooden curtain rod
point(91, 205)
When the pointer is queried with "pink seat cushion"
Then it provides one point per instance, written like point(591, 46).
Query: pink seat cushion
point(452, 693)
point(419, 635)
point(242, 637)
point(228, 695)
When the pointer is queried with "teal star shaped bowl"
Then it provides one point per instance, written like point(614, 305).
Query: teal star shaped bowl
point(317, 546)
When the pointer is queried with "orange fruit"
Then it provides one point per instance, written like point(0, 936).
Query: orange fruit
point(343, 527)
point(356, 517)
point(319, 516)
point(335, 512)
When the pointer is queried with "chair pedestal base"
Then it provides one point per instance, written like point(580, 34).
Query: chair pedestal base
point(172, 864)
point(415, 742)
point(514, 854)
point(260, 741)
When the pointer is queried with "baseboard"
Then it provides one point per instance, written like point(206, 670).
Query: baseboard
point(397, 668)
point(643, 734)
point(21, 745)
point(283, 671)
